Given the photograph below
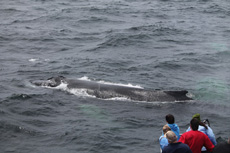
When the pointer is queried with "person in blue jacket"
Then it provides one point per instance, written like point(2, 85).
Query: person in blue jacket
point(205, 128)
point(171, 123)
point(163, 140)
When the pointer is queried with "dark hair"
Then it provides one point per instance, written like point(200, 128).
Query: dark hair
point(170, 118)
point(194, 123)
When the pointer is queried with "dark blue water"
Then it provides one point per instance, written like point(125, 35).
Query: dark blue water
point(160, 44)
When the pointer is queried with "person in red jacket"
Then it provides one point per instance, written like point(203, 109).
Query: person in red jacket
point(196, 139)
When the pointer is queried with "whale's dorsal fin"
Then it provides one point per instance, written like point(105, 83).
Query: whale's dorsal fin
point(181, 94)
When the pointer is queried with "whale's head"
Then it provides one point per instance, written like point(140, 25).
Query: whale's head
point(51, 82)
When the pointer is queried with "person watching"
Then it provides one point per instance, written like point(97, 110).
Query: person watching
point(223, 147)
point(196, 139)
point(163, 140)
point(205, 128)
point(174, 146)
point(171, 123)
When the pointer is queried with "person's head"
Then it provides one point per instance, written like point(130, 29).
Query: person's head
point(171, 136)
point(197, 116)
point(166, 128)
point(170, 118)
point(194, 124)
point(228, 140)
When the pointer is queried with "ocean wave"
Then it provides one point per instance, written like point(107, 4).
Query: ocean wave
point(215, 8)
point(12, 128)
point(20, 97)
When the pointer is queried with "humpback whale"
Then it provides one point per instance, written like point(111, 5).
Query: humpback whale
point(106, 91)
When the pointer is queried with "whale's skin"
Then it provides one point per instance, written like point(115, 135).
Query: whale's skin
point(106, 91)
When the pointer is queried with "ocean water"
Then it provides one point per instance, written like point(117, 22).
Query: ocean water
point(153, 44)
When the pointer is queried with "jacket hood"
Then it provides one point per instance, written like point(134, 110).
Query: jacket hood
point(173, 127)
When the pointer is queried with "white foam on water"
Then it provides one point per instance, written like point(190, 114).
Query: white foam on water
point(38, 60)
point(33, 60)
point(120, 84)
point(75, 91)
point(85, 78)
point(80, 92)
point(119, 99)
point(62, 86)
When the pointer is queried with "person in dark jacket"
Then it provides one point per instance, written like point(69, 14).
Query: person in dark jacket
point(223, 147)
point(174, 146)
